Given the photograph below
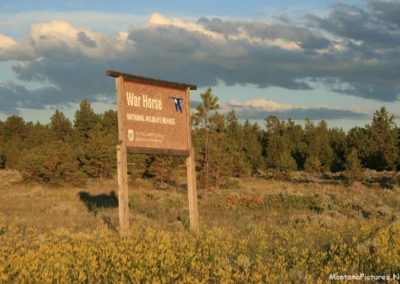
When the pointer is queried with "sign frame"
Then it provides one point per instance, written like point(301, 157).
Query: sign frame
point(123, 148)
point(136, 86)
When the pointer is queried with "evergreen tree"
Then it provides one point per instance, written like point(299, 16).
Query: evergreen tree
point(14, 127)
point(234, 129)
point(252, 148)
point(51, 163)
point(235, 147)
point(36, 134)
point(339, 147)
point(95, 146)
point(2, 150)
point(319, 146)
point(202, 117)
point(278, 146)
point(61, 127)
point(357, 138)
point(14, 135)
point(97, 155)
point(165, 169)
point(109, 123)
point(297, 145)
point(353, 168)
point(85, 121)
point(312, 164)
point(1, 131)
point(221, 161)
point(383, 141)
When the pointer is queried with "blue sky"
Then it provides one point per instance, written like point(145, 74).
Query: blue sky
point(332, 60)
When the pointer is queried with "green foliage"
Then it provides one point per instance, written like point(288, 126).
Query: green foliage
point(61, 127)
point(97, 155)
point(202, 118)
point(14, 134)
point(279, 147)
point(319, 147)
point(225, 147)
point(383, 152)
point(294, 254)
point(164, 169)
point(52, 163)
point(312, 164)
point(85, 121)
point(353, 166)
point(252, 147)
point(14, 128)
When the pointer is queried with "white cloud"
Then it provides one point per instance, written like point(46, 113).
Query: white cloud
point(160, 20)
point(109, 23)
point(262, 108)
point(10, 49)
point(62, 48)
point(61, 41)
point(6, 42)
point(263, 104)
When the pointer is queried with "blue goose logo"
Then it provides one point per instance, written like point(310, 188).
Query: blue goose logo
point(177, 101)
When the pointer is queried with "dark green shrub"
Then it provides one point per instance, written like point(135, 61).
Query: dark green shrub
point(52, 164)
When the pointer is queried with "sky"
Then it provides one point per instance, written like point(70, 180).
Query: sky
point(337, 61)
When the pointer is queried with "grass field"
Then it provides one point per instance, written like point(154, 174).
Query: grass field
point(308, 230)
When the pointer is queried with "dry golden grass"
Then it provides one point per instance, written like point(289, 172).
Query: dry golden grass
point(257, 202)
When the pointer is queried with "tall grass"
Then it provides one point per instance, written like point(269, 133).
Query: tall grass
point(266, 231)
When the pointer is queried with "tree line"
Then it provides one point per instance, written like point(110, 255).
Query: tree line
point(65, 152)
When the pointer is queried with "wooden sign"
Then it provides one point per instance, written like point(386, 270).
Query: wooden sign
point(157, 115)
point(153, 118)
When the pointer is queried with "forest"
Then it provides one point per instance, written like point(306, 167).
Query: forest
point(71, 152)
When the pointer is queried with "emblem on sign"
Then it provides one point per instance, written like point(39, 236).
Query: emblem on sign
point(130, 135)
point(177, 101)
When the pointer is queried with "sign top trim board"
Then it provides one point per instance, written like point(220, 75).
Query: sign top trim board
point(151, 81)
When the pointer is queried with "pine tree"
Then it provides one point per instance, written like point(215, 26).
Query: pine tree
point(353, 169)
point(235, 146)
point(202, 117)
point(61, 127)
point(94, 145)
point(109, 123)
point(383, 141)
point(278, 147)
point(14, 135)
point(297, 144)
point(97, 156)
point(1, 131)
point(2, 142)
point(52, 163)
point(14, 127)
point(252, 148)
point(357, 138)
point(37, 134)
point(221, 161)
point(85, 121)
point(319, 146)
point(339, 147)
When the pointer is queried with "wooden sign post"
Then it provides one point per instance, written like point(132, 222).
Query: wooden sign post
point(153, 118)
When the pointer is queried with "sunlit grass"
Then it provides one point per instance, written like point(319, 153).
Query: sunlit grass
point(265, 231)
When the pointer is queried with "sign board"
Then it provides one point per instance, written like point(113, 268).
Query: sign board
point(153, 118)
point(157, 115)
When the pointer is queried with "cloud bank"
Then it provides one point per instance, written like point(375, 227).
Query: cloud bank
point(259, 109)
point(349, 50)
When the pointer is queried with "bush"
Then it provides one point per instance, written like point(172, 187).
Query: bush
point(151, 255)
point(52, 164)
